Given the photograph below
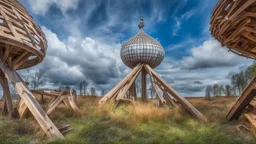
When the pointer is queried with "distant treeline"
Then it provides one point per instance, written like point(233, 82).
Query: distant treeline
point(238, 83)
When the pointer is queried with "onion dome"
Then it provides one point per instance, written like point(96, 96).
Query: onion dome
point(142, 48)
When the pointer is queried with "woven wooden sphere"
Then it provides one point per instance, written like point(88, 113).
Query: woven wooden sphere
point(22, 42)
point(233, 24)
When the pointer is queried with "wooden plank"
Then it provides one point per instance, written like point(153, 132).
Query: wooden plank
point(119, 85)
point(144, 97)
point(128, 85)
point(178, 97)
point(72, 102)
point(246, 97)
point(55, 103)
point(7, 95)
point(46, 124)
point(162, 100)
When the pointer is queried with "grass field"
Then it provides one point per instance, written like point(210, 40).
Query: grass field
point(142, 123)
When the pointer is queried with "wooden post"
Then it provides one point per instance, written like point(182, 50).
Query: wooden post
point(133, 91)
point(55, 103)
point(7, 95)
point(72, 102)
point(178, 97)
point(143, 85)
point(46, 124)
point(113, 91)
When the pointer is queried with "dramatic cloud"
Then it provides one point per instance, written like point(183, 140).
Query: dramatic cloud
point(211, 54)
point(42, 6)
point(78, 59)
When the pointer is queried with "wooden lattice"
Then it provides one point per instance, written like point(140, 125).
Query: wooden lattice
point(22, 42)
point(233, 24)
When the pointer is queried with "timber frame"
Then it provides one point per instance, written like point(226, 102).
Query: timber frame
point(58, 97)
point(125, 90)
point(233, 25)
point(22, 45)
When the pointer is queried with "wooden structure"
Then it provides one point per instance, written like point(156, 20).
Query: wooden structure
point(22, 45)
point(126, 90)
point(233, 25)
point(58, 97)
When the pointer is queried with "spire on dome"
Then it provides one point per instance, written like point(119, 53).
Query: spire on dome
point(141, 24)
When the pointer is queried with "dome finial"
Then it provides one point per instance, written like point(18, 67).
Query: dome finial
point(141, 24)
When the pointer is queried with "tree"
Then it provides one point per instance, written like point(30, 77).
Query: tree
point(221, 90)
point(93, 91)
point(67, 88)
point(228, 90)
point(85, 84)
point(38, 79)
point(81, 88)
point(215, 89)
point(102, 92)
point(152, 91)
point(208, 91)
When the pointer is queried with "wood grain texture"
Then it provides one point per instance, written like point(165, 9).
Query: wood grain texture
point(233, 25)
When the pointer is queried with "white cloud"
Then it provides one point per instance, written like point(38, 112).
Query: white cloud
point(68, 63)
point(211, 54)
point(42, 6)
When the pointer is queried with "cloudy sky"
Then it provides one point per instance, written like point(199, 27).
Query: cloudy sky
point(85, 38)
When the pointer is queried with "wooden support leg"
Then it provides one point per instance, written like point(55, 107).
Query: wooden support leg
point(23, 109)
point(55, 103)
point(133, 91)
point(178, 97)
point(7, 95)
point(4, 107)
point(143, 85)
point(46, 124)
point(119, 85)
point(72, 102)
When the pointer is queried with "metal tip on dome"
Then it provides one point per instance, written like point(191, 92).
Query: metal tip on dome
point(141, 24)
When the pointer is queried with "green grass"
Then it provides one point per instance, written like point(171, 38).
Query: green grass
point(141, 124)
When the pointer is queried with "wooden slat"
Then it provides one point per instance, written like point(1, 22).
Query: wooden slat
point(178, 97)
point(119, 85)
point(46, 124)
point(246, 97)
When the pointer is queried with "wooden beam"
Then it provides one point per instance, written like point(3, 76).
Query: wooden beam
point(7, 95)
point(22, 109)
point(178, 97)
point(119, 85)
point(246, 97)
point(128, 85)
point(46, 124)
point(161, 99)
point(55, 103)
point(72, 102)
point(143, 85)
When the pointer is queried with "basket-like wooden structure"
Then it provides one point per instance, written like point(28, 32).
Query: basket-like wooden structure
point(22, 42)
point(233, 24)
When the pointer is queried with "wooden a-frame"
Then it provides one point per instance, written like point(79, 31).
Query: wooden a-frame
point(120, 91)
point(60, 96)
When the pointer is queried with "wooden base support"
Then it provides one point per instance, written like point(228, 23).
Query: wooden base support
point(119, 91)
point(246, 97)
point(34, 107)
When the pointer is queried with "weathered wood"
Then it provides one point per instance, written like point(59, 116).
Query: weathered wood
point(232, 24)
point(22, 109)
point(119, 85)
point(144, 85)
point(55, 103)
point(72, 102)
point(129, 84)
point(188, 106)
point(7, 95)
point(252, 120)
point(161, 99)
point(46, 124)
point(246, 97)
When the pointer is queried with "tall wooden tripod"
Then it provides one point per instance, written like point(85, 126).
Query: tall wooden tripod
point(126, 90)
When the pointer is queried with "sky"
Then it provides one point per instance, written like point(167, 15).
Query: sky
point(85, 38)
